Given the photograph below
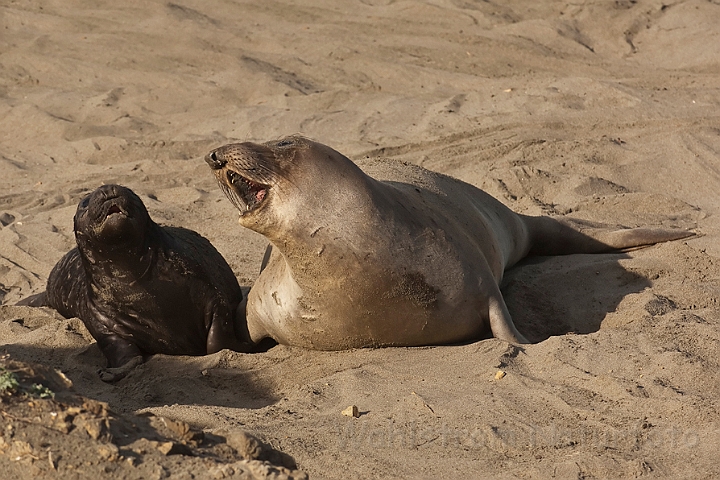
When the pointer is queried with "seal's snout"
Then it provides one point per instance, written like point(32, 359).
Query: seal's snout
point(214, 160)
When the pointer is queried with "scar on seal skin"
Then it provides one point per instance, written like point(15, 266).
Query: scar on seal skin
point(141, 288)
point(385, 253)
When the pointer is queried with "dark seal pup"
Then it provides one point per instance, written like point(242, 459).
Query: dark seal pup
point(392, 254)
point(141, 288)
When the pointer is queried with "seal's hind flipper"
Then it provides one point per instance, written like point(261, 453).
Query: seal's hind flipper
point(37, 300)
point(564, 236)
point(633, 238)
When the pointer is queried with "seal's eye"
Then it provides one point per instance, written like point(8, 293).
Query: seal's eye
point(284, 143)
point(84, 203)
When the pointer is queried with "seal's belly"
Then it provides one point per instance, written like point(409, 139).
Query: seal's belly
point(363, 311)
point(397, 326)
point(158, 316)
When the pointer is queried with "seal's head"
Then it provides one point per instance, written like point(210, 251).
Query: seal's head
point(110, 218)
point(247, 172)
point(283, 185)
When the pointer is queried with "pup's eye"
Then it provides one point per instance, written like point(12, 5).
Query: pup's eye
point(285, 142)
point(84, 203)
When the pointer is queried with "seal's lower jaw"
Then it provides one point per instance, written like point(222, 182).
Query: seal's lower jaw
point(246, 195)
point(115, 215)
point(118, 226)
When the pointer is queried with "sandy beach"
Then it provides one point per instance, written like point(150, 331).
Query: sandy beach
point(601, 111)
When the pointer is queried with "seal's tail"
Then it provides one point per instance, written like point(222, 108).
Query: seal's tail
point(563, 236)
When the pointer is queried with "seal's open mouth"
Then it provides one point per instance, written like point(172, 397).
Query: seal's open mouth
point(245, 194)
point(113, 213)
point(113, 209)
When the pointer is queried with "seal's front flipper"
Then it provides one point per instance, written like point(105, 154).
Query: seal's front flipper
point(122, 355)
point(118, 351)
point(114, 374)
point(226, 332)
point(501, 323)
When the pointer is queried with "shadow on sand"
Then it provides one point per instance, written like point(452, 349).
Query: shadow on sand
point(549, 296)
point(224, 379)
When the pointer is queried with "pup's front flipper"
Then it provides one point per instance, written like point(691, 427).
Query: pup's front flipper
point(114, 374)
point(122, 356)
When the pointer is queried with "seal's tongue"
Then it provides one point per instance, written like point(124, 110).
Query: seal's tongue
point(244, 191)
point(260, 194)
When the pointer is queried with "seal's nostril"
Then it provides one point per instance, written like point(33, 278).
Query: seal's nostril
point(215, 162)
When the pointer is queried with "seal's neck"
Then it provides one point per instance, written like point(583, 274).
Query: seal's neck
point(339, 197)
point(121, 264)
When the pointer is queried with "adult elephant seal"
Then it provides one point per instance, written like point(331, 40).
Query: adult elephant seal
point(140, 288)
point(410, 257)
